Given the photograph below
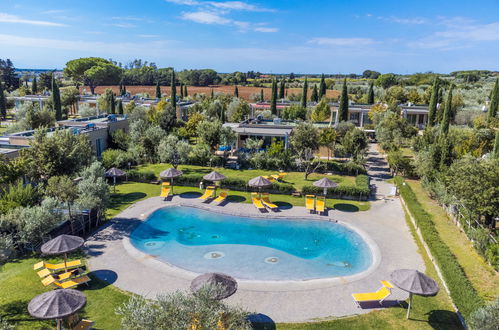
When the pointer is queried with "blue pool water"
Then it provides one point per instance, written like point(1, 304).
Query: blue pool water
point(249, 248)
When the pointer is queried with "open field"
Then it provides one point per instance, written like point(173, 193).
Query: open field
point(244, 91)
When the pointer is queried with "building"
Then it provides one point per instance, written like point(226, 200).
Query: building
point(10, 151)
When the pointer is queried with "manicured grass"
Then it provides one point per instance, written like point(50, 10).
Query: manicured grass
point(484, 279)
point(426, 313)
point(297, 179)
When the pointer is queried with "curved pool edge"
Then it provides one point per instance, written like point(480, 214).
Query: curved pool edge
point(255, 285)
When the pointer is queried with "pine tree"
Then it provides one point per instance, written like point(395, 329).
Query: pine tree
point(3, 105)
point(370, 94)
point(56, 100)
point(173, 95)
point(432, 108)
point(447, 114)
point(185, 91)
point(34, 86)
point(158, 90)
point(343, 107)
point(262, 98)
point(315, 94)
point(322, 87)
point(273, 98)
point(236, 92)
point(120, 107)
point(304, 94)
point(282, 88)
point(494, 102)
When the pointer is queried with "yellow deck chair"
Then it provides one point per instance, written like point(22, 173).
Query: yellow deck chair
point(276, 177)
point(84, 325)
point(165, 190)
point(268, 203)
point(223, 196)
point(320, 205)
point(57, 267)
point(268, 177)
point(310, 202)
point(378, 296)
point(73, 282)
point(64, 276)
point(210, 190)
point(257, 202)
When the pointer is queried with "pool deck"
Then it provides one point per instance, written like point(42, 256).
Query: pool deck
point(115, 260)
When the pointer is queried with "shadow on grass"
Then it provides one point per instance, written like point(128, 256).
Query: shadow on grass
point(190, 194)
point(344, 207)
point(442, 319)
point(196, 171)
point(119, 199)
point(100, 279)
point(236, 199)
point(261, 322)
point(284, 205)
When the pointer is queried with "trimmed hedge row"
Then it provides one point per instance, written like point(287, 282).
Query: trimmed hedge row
point(141, 176)
point(349, 168)
point(360, 191)
point(462, 291)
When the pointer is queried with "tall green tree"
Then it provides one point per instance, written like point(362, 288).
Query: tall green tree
point(432, 109)
point(63, 189)
point(236, 91)
point(262, 98)
point(93, 71)
point(34, 86)
point(120, 107)
point(494, 102)
point(273, 98)
point(158, 90)
point(282, 88)
point(447, 113)
point(185, 91)
point(315, 94)
point(3, 104)
point(322, 87)
point(112, 104)
point(173, 94)
point(304, 94)
point(495, 151)
point(56, 99)
point(343, 107)
point(181, 91)
point(370, 94)
point(212, 94)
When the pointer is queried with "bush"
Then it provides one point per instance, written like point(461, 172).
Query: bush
point(485, 318)
point(346, 168)
point(462, 291)
point(115, 158)
point(360, 190)
point(141, 176)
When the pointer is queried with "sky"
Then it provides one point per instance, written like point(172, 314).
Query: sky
point(279, 36)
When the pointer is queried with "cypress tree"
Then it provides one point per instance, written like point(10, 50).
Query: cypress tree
point(112, 104)
point(440, 109)
point(262, 98)
point(34, 86)
point(212, 94)
point(304, 94)
point(370, 94)
point(495, 151)
point(343, 107)
point(494, 102)
point(315, 95)
point(236, 92)
point(120, 107)
point(432, 109)
point(282, 88)
point(322, 87)
point(181, 91)
point(124, 90)
point(447, 114)
point(3, 105)
point(173, 95)
point(273, 98)
point(185, 91)
point(56, 100)
point(158, 90)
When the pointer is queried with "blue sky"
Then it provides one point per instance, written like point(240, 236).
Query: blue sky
point(268, 36)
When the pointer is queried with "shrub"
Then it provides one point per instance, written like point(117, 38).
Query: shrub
point(349, 168)
point(462, 291)
point(360, 190)
point(141, 176)
point(485, 318)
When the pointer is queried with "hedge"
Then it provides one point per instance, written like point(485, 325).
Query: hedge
point(141, 176)
point(360, 190)
point(461, 290)
point(348, 168)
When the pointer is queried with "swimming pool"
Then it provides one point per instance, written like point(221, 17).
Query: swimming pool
point(252, 249)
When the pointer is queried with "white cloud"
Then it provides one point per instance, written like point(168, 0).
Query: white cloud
point(53, 11)
point(147, 35)
point(127, 18)
point(123, 25)
point(184, 2)
point(205, 17)
point(7, 18)
point(403, 20)
point(266, 29)
point(224, 5)
point(323, 41)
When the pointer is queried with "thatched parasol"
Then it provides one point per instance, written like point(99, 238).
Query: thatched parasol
point(114, 173)
point(170, 173)
point(326, 184)
point(259, 182)
point(215, 177)
point(220, 285)
point(62, 244)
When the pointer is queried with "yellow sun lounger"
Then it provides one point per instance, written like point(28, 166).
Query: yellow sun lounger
point(268, 203)
point(269, 177)
point(73, 282)
point(64, 276)
point(57, 267)
point(279, 176)
point(310, 202)
point(257, 202)
point(165, 191)
point(223, 196)
point(320, 205)
point(210, 190)
point(378, 296)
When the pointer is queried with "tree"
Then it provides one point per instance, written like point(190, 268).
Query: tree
point(167, 118)
point(185, 91)
point(212, 94)
point(494, 102)
point(190, 128)
point(8, 75)
point(485, 317)
point(432, 108)
point(447, 114)
point(262, 98)
point(181, 91)
point(173, 150)
point(63, 189)
point(237, 110)
point(292, 76)
point(321, 112)
point(282, 89)
point(370, 74)
point(355, 143)
point(173, 94)
point(120, 107)
point(343, 107)
point(315, 95)
point(322, 87)
point(69, 99)
point(386, 80)
point(3, 104)
point(305, 141)
point(209, 132)
point(56, 100)
point(327, 138)
point(34, 86)
point(495, 152)
point(158, 90)
point(273, 98)
point(236, 91)
point(392, 130)
point(370, 93)
point(304, 94)
point(93, 71)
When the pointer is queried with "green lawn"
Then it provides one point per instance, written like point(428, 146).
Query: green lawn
point(297, 179)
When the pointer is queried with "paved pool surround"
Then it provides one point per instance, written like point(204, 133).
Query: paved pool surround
point(383, 228)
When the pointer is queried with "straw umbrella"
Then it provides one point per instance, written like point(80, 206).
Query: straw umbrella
point(259, 182)
point(114, 173)
point(56, 304)
point(62, 244)
point(221, 285)
point(170, 173)
point(215, 177)
point(326, 184)
point(414, 282)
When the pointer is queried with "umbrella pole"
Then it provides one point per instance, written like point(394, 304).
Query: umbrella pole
point(171, 185)
point(410, 303)
point(114, 183)
point(58, 324)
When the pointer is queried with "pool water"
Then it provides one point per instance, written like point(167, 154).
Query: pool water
point(248, 248)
